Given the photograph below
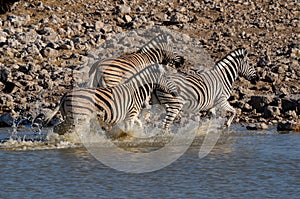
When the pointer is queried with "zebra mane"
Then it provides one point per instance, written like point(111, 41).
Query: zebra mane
point(158, 42)
point(239, 53)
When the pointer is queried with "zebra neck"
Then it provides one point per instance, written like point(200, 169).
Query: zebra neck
point(227, 74)
point(145, 81)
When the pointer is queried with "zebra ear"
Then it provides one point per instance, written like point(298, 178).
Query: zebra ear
point(245, 53)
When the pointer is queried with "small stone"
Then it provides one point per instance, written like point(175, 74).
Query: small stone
point(139, 9)
point(127, 18)
point(98, 25)
point(124, 9)
point(263, 126)
point(49, 52)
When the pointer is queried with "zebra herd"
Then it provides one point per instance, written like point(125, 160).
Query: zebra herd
point(119, 87)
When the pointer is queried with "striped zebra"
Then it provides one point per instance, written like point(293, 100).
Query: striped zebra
point(113, 71)
point(202, 91)
point(115, 104)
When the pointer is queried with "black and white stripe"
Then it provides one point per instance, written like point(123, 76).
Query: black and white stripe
point(115, 104)
point(113, 71)
point(202, 91)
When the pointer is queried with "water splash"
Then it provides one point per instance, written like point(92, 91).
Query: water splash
point(145, 139)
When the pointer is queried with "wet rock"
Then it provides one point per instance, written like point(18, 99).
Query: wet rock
point(259, 126)
point(288, 126)
point(6, 120)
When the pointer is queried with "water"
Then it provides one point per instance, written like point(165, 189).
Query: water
point(244, 164)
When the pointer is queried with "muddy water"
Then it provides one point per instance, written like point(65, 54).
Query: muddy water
point(243, 164)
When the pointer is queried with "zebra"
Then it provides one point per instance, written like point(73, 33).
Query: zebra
point(113, 71)
point(115, 104)
point(208, 90)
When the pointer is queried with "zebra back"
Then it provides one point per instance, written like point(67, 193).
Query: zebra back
point(160, 51)
point(113, 71)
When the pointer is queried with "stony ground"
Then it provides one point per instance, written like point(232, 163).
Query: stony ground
point(43, 42)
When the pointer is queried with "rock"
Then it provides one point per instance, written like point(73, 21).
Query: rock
point(98, 25)
point(3, 36)
point(49, 52)
point(271, 77)
point(123, 9)
point(289, 104)
point(271, 111)
point(288, 126)
point(259, 102)
point(127, 18)
point(48, 34)
point(259, 126)
point(9, 87)
point(3, 75)
point(6, 120)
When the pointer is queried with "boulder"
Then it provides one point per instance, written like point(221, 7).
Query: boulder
point(288, 126)
point(289, 104)
point(260, 102)
point(6, 120)
point(271, 111)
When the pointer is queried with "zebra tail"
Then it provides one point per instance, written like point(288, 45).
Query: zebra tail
point(54, 112)
point(51, 115)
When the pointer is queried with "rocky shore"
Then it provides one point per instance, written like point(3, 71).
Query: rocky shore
point(43, 43)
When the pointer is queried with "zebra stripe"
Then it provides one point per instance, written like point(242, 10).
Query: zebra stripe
point(113, 71)
point(115, 104)
point(202, 91)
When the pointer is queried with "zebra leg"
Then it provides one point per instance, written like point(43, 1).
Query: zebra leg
point(227, 107)
point(129, 124)
point(171, 113)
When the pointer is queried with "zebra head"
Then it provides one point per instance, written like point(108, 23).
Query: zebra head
point(177, 61)
point(245, 69)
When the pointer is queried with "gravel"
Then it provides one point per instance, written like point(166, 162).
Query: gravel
point(46, 46)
